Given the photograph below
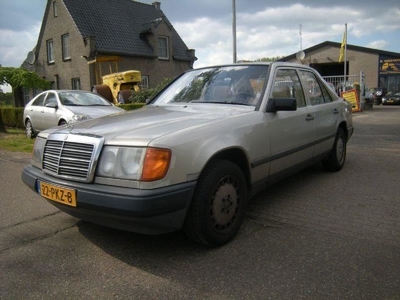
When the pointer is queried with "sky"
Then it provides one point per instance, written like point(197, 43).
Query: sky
point(263, 28)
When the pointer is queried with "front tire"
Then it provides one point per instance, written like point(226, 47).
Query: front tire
point(337, 157)
point(218, 206)
point(30, 133)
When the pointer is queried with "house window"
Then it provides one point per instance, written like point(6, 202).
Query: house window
point(65, 47)
point(26, 95)
point(163, 48)
point(55, 11)
point(76, 83)
point(145, 82)
point(50, 51)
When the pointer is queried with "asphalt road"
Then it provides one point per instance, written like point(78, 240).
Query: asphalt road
point(316, 235)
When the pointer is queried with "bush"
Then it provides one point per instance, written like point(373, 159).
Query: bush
point(13, 116)
point(131, 106)
point(143, 95)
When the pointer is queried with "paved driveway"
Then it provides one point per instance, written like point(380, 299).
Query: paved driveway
point(315, 235)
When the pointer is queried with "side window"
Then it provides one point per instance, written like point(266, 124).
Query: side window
point(312, 89)
point(145, 82)
point(76, 83)
point(163, 52)
point(50, 51)
point(287, 85)
point(51, 98)
point(326, 94)
point(55, 10)
point(65, 47)
point(39, 100)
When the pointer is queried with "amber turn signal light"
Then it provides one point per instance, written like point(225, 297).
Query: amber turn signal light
point(156, 164)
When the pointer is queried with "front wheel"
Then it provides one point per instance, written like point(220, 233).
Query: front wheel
point(218, 206)
point(30, 133)
point(337, 157)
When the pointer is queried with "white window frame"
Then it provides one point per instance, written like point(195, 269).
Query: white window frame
point(144, 84)
point(163, 47)
point(50, 51)
point(76, 83)
point(66, 49)
point(55, 10)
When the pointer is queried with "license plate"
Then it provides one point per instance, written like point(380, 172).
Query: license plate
point(57, 193)
point(390, 101)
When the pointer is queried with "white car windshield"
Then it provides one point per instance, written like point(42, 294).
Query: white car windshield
point(241, 84)
point(80, 98)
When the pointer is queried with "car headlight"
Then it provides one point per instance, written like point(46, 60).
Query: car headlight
point(37, 154)
point(81, 117)
point(145, 164)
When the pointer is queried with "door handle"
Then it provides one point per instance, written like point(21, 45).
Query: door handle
point(335, 111)
point(309, 118)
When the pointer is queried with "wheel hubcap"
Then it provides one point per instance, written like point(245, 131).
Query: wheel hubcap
point(340, 150)
point(224, 204)
point(28, 130)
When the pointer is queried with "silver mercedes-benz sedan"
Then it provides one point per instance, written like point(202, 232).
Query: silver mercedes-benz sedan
point(196, 153)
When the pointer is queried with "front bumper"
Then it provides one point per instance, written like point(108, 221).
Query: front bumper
point(350, 131)
point(154, 211)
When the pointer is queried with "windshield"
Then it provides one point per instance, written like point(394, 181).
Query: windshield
point(79, 98)
point(239, 84)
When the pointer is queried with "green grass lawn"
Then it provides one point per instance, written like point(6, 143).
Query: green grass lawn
point(15, 140)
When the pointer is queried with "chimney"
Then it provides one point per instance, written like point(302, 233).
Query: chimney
point(157, 5)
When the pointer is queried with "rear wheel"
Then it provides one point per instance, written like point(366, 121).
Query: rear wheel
point(337, 157)
point(30, 133)
point(218, 206)
point(104, 91)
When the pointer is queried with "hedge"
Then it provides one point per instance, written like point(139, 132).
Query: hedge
point(13, 116)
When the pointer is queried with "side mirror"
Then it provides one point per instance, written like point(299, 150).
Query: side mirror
point(281, 104)
point(52, 105)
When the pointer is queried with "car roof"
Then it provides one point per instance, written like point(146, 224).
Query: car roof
point(67, 91)
point(274, 63)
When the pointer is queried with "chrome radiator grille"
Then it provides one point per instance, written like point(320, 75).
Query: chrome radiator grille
point(68, 158)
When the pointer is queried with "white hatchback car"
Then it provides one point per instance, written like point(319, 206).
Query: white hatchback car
point(59, 107)
point(195, 154)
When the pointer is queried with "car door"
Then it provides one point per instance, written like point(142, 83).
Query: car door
point(325, 110)
point(292, 133)
point(34, 111)
point(49, 114)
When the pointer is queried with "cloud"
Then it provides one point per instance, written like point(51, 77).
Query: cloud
point(15, 45)
point(377, 44)
point(20, 15)
point(263, 29)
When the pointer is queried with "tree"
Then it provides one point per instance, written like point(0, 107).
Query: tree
point(268, 59)
point(5, 98)
point(20, 78)
point(2, 128)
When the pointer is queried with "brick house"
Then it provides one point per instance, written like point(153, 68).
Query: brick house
point(76, 33)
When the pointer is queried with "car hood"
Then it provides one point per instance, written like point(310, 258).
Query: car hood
point(94, 111)
point(140, 127)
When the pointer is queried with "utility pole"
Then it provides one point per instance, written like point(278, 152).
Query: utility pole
point(300, 39)
point(234, 30)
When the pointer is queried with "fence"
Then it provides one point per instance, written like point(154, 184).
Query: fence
point(339, 83)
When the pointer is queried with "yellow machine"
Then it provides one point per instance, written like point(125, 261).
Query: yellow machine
point(116, 87)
